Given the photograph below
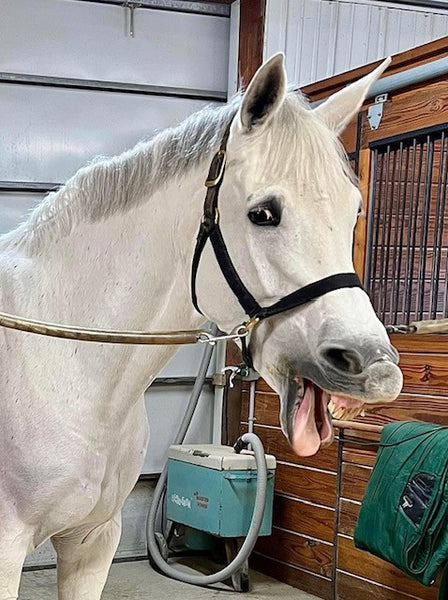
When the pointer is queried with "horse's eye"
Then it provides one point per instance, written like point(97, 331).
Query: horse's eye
point(265, 214)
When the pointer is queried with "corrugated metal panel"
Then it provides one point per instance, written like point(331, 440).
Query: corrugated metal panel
point(321, 38)
point(48, 133)
point(91, 41)
point(14, 207)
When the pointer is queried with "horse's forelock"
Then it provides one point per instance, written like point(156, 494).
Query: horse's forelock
point(302, 147)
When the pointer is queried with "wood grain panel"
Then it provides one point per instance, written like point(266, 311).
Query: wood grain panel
point(261, 386)
point(359, 256)
point(298, 550)
point(251, 39)
point(348, 136)
point(359, 455)
point(232, 399)
point(354, 481)
point(353, 588)
point(425, 373)
point(303, 517)
point(275, 443)
point(411, 110)
point(303, 580)
point(305, 483)
point(408, 407)
point(348, 515)
point(428, 343)
point(367, 565)
point(267, 408)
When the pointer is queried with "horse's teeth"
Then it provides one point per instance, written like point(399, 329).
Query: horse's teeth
point(338, 413)
point(345, 413)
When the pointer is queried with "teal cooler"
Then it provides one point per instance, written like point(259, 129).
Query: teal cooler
point(211, 488)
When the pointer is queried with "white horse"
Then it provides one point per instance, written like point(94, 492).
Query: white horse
point(113, 249)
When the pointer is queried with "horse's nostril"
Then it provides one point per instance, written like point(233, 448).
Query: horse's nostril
point(346, 361)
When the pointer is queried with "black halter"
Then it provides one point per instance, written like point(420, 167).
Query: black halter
point(210, 229)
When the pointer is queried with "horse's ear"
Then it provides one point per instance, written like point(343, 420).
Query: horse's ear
point(264, 95)
point(341, 107)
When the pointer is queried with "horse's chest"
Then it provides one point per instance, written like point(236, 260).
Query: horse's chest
point(122, 464)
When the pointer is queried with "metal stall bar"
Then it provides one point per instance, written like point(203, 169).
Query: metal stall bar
point(366, 427)
point(422, 216)
point(388, 225)
point(374, 229)
point(439, 227)
point(420, 74)
point(399, 242)
point(407, 288)
point(421, 284)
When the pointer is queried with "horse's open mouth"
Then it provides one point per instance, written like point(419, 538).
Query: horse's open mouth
point(311, 427)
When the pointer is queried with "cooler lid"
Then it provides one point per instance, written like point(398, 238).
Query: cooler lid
point(220, 458)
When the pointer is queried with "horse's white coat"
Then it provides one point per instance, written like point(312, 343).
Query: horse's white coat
point(73, 429)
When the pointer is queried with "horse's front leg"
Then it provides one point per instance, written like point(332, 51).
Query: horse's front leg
point(15, 542)
point(83, 560)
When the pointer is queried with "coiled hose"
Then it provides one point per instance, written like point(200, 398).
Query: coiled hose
point(260, 499)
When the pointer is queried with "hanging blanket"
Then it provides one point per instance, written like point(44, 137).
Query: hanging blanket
point(404, 514)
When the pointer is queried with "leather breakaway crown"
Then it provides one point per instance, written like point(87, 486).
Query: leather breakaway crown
point(210, 230)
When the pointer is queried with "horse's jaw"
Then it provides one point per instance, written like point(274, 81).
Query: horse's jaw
point(308, 405)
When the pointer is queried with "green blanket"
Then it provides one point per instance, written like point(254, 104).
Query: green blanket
point(404, 514)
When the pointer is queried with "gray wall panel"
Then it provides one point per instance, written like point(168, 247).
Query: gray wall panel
point(46, 134)
point(66, 38)
point(14, 207)
point(324, 37)
point(165, 408)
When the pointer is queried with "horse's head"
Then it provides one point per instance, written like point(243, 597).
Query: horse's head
point(288, 207)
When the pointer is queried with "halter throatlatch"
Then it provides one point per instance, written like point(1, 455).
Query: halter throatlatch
point(210, 230)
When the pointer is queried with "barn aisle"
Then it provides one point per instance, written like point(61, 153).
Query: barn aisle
point(138, 581)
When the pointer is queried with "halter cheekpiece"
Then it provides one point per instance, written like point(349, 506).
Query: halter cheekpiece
point(210, 230)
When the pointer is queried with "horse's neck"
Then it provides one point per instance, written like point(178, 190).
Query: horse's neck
point(129, 271)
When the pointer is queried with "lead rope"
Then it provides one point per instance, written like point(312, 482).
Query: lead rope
point(194, 336)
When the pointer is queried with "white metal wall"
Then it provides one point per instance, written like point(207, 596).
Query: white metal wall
point(74, 84)
point(321, 38)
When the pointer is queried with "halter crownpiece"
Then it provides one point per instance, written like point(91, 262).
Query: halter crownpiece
point(210, 230)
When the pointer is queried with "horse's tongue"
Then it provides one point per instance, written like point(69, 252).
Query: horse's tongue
point(306, 438)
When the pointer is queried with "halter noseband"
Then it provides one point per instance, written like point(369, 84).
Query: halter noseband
point(211, 230)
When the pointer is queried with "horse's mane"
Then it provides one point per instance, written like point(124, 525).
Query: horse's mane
point(109, 185)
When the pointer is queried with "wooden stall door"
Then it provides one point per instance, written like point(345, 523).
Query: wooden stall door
point(401, 253)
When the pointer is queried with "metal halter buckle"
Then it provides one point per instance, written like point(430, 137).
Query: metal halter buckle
point(220, 159)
